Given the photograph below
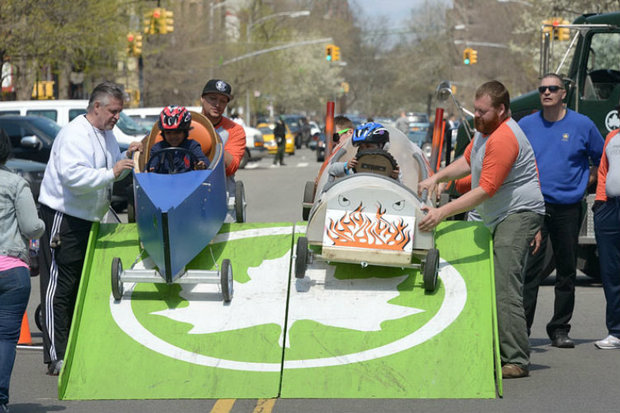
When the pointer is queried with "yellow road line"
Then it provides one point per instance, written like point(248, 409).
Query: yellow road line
point(223, 406)
point(264, 405)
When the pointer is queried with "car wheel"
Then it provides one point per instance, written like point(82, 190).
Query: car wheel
point(239, 202)
point(301, 260)
point(38, 318)
point(131, 213)
point(244, 160)
point(320, 155)
point(226, 280)
point(430, 269)
point(117, 284)
point(308, 200)
point(588, 261)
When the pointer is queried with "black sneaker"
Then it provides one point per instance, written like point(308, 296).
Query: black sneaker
point(4, 408)
point(562, 340)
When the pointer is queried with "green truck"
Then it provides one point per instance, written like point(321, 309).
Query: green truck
point(590, 67)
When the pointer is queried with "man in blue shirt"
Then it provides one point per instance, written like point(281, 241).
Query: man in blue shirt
point(567, 145)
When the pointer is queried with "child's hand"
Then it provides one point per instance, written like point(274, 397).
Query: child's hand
point(395, 173)
point(200, 165)
point(352, 164)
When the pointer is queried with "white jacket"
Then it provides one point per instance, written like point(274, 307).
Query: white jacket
point(79, 176)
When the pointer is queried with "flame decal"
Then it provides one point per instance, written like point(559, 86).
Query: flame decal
point(358, 229)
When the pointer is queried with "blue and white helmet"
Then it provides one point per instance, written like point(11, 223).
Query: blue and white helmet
point(370, 132)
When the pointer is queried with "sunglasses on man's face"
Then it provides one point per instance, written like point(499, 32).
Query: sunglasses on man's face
point(552, 89)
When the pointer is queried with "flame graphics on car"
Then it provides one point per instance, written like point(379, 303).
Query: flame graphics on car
point(363, 230)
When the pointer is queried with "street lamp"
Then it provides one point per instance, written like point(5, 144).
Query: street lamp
point(292, 14)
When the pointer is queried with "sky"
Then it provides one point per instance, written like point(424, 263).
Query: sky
point(395, 10)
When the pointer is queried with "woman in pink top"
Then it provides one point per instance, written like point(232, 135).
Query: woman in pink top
point(19, 223)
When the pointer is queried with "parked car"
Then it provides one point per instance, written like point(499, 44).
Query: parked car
point(420, 139)
point(254, 146)
point(320, 147)
point(294, 123)
point(64, 111)
point(32, 138)
point(270, 142)
point(146, 117)
point(31, 171)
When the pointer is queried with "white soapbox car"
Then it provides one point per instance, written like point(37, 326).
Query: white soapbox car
point(367, 217)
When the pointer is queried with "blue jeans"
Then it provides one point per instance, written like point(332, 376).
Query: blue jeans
point(607, 231)
point(14, 294)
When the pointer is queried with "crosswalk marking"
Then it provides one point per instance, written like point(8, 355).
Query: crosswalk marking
point(264, 405)
point(223, 406)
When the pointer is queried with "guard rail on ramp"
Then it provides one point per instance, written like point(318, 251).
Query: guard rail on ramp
point(341, 332)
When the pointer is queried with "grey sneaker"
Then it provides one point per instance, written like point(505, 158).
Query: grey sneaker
point(608, 343)
point(54, 368)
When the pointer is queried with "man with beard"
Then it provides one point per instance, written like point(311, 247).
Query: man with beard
point(565, 143)
point(506, 193)
point(75, 192)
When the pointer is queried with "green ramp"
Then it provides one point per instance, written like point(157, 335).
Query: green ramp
point(341, 335)
point(371, 332)
point(168, 342)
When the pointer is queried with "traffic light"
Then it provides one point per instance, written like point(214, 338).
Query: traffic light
point(467, 56)
point(163, 22)
point(130, 42)
point(168, 20)
point(557, 33)
point(562, 33)
point(336, 53)
point(149, 23)
point(473, 56)
point(137, 45)
point(329, 52)
point(134, 44)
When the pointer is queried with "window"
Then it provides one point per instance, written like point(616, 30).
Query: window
point(48, 113)
point(603, 67)
point(74, 113)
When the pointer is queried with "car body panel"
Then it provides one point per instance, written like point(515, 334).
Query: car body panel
point(270, 142)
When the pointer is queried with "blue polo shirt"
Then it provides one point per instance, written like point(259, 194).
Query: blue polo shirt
point(563, 150)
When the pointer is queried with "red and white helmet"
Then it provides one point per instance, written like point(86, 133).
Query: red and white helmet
point(175, 118)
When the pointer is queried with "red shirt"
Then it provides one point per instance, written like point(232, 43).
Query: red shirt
point(233, 137)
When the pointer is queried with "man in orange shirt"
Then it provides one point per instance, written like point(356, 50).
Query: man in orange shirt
point(215, 97)
point(506, 193)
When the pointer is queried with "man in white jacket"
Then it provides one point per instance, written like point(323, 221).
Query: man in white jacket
point(76, 191)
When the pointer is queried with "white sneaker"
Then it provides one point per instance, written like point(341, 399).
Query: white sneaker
point(608, 343)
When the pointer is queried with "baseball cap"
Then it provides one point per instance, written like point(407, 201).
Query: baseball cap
point(218, 86)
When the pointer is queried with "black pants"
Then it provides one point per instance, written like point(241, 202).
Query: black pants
point(60, 273)
point(280, 154)
point(561, 227)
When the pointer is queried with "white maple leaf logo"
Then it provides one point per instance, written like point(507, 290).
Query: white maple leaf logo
point(357, 304)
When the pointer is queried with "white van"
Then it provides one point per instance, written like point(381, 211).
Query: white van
point(64, 111)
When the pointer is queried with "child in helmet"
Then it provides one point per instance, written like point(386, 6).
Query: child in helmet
point(175, 124)
point(367, 136)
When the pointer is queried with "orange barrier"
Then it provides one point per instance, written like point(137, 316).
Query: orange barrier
point(24, 334)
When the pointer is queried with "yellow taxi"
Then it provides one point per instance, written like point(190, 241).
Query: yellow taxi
point(270, 142)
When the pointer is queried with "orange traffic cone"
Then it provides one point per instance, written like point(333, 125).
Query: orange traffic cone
point(24, 334)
